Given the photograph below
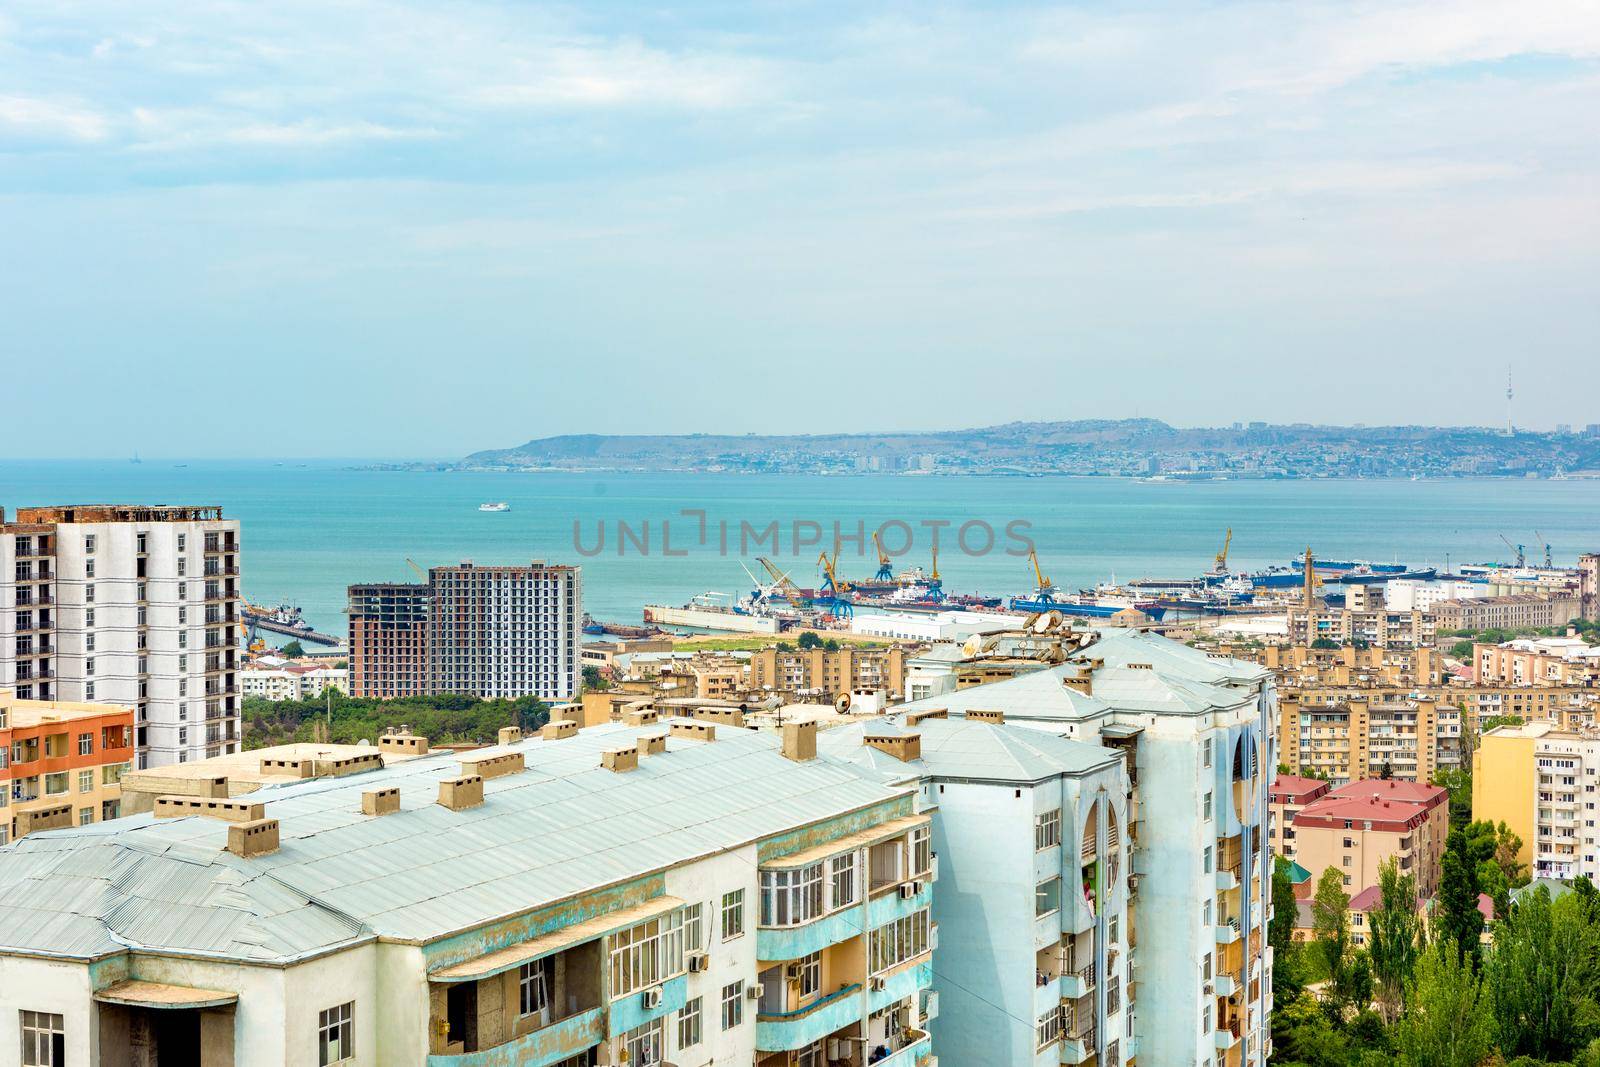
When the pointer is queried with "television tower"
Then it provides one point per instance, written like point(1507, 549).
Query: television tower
point(1511, 426)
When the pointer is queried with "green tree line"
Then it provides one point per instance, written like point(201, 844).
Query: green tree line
point(450, 718)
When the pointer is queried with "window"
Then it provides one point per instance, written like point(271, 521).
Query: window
point(44, 1039)
point(842, 870)
point(895, 942)
point(643, 1045)
point(791, 897)
point(1208, 859)
point(85, 816)
point(732, 1005)
point(88, 568)
point(732, 914)
point(1205, 968)
point(85, 744)
point(533, 998)
point(689, 1026)
point(336, 1039)
point(810, 974)
point(647, 954)
point(57, 782)
point(1205, 753)
point(694, 937)
point(88, 593)
point(88, 544)
point(1207, 807)
point(85, 780)
point(1050, 1027)
point(1047, 830)
point(88, 665)
point(1047, 897)
point(922, 850)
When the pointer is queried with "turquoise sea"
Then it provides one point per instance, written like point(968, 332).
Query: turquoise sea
point(310, 529)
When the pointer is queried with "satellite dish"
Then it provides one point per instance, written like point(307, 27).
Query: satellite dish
point(1041, 624)
point(1033, 617)
point(990, 644)
point(972, 646)
point(1055, 618)
point(842, 704)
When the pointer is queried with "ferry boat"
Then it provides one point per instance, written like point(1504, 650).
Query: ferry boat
point(1087, 605)
point(498, 506)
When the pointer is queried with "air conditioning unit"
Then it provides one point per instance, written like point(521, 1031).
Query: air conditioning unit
point(930, 1003)
point(650, 999)
point(878, 985)
point(1133, 883)
point(753, 992)
point(908, 890)
point(698, 962)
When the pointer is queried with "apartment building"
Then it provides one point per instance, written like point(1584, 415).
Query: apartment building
point(668, 893)
point(389, 640)
point(493, 631)
point(1347, 665)
point(135, 606)
point(1545, 661)
point(1539, 779)
point(1376, 626)
point(830, 672)
point(1198, 738)
point(1036, 943)
point(1363, 733)
point(1285, 797)
point(291, 681)
point(61, 764)
point(1359, 827)
point(1516, 611)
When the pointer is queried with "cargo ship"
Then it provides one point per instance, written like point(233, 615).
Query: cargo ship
point(1096, 604)
point(712, 611)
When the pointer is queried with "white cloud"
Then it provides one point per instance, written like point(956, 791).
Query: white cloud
point(31, 117)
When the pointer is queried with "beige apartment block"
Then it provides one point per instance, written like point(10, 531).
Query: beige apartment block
point(1359, 827)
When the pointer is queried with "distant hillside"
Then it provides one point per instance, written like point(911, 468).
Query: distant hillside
point(1100, 446)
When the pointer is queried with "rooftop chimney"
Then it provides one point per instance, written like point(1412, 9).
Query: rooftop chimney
point(652, 744)
point(492, 765)
point(173, 807)
point(800, 741)
point(1080, 677)
point(254, 838)
point(640, 716)
point(914, 717)
point(620, 760)
point(695, 731)
point(904, 747)
point(510, 735)
point(459, 794)
point(985, 715)
point(555, 731)
point(403, 743)
point(381, 801)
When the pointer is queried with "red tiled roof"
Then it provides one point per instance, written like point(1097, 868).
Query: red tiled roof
point(1392, 789)
point(1292, 789)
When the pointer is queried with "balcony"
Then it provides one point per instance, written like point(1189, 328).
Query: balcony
point(1080, 1047)
point(1078, 983)
point(790, 1030)
point(915, 1052)
point(1227, 878)
point(1228, 932)
point(1226, 985)
point(1227, 1037)
point(544, 1047)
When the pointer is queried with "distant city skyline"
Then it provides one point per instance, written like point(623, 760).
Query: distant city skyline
point(396, 230)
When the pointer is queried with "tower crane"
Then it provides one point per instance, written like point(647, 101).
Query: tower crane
point(420, 572)
point(1046, 587)
point(885, 568)
point(781, 582)
point(1522, 559)
point(1547, 564)
point(935, 586)
point(1222, 557)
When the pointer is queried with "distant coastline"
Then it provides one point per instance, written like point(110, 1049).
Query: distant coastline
point(1130, 448)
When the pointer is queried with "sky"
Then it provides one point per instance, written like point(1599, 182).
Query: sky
point(379, 228)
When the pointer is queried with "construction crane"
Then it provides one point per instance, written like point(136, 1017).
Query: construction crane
point(831, 582)
point(885, 568)
point(1046, 587)
point(1522, 559)
point(1222, 557)
point(420, 572)
point(1547, 564)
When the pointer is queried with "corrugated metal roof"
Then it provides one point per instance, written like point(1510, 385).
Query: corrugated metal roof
point(556, 830)
point(973, 748)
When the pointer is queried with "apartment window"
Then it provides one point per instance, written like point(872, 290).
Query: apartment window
point(85, 744)
point(1208, 859)
point(88, 617)
point(85, 781)
point(921, 850)
point(88, 568)
point(842, 880)
point(732, 914)
point(689, 1024)
point(57, 782)
point(88, 544)
point(643, 1045)
point(810, 974)
point(141, 542)
point(897, 941)
point(1205, 968)
point(647, 954)
point(1051, 1024)
point(1205, 753)
point(88, 690)
point(1047, 830)
point(88, 665)
point(183, 566)
point(694, 936)
point(1206, 812)
point(732, 1005)
point(85, 816)
point(183, 542)
point(336, 1039)
point(1047, 897)
point(44, 1039)
point(791, 897)
point(532, 995)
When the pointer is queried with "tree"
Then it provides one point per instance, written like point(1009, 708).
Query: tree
point(1324, 642)
point(1446, 1023)
point(1280, 932)
point(1495, 843)
point(1458, 783)
point(594, 679)
point(1330, 908)
point(1395, 930)
point(1540, 976)
point(809, 640)
point(293, 650)
point(1460, 922)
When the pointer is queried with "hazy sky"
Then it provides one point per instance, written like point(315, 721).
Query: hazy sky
point(388, 228)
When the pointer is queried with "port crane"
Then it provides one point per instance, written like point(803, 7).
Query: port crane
point(1222, 557)
point(935, 585)
point(1046, 590)
point(781, 582)
point(837, 588)
point(1547, 564)
point(1522, 559)
point(885, 568)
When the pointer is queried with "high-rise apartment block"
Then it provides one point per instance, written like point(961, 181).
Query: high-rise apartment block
point(487, 630)
point(134, 606)
point(1540, 780)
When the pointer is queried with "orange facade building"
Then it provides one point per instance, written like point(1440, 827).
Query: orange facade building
point(61, 763)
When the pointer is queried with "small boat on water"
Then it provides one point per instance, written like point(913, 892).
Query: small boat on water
point(500, 506)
